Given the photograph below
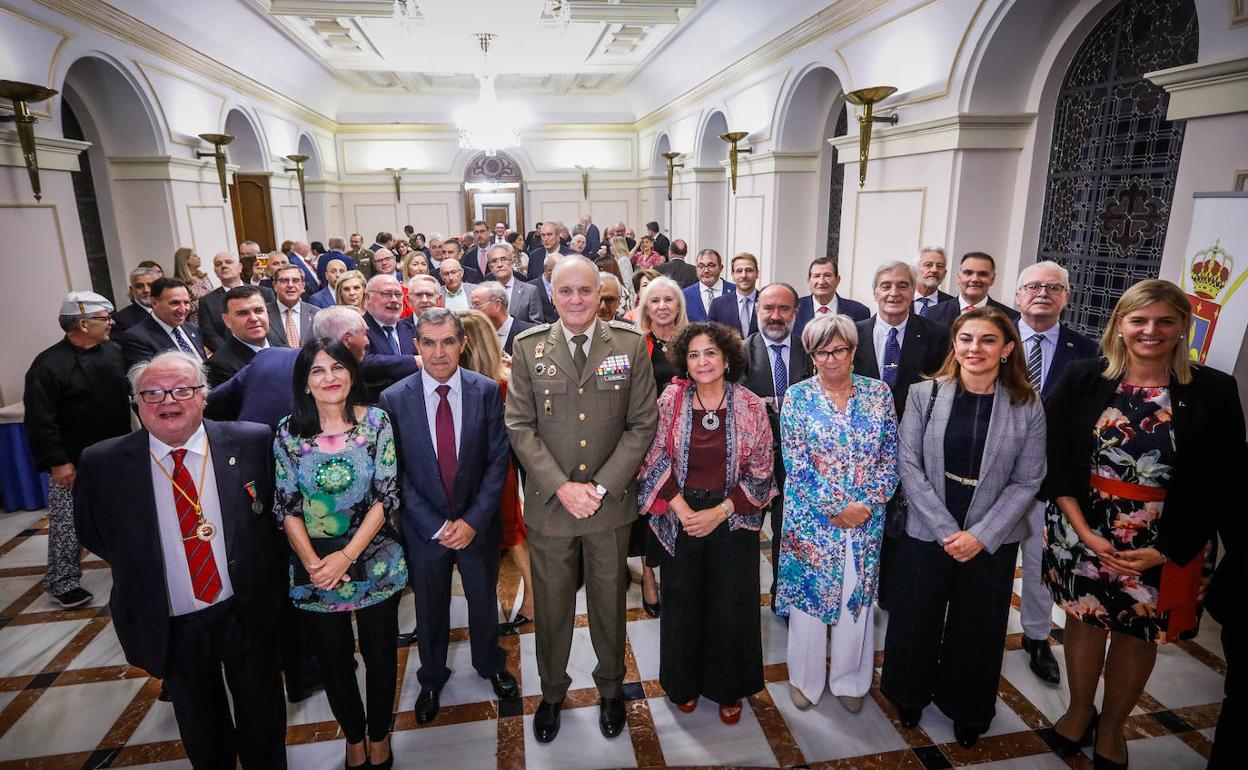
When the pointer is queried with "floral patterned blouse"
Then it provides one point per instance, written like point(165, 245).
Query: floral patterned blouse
point(833, 458)
point(332, 492)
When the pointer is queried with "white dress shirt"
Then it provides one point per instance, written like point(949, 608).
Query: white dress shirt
point(169, 330)
point(964, 303)
point(1048, 346)
point(454, 397)
point(932, 300)
point(831, 306)
point(504, 330)
point(879, 336)
point(182, 599)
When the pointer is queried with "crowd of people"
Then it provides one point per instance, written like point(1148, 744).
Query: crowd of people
point(334, 423)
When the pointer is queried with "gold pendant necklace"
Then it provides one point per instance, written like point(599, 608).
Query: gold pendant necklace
point(204, 529)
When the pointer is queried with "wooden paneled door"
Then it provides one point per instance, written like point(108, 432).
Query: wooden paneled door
point(494, 214)
point(253, 210)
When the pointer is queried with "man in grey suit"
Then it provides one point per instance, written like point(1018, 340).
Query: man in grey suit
point(776, 360)
point(290, 316)
point(522, 299)
point(582, 411)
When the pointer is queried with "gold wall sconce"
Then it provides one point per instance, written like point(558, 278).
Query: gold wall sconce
point(299, 160)
point(732, 137)
point(217, 141)
point(398, 179)
point(22, 94)
point(866, 98)
point(585, 180)
point(672, 165)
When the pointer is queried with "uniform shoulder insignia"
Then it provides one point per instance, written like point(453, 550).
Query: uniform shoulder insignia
point(530, 332)
point(625, 326)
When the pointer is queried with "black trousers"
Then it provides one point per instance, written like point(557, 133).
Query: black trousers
point(946, 630)
point(430, 564)
point(334, 645)
point(298, 661)
point(1233, 704)
point(777, 521)
point(200, 645)
point(710, 638)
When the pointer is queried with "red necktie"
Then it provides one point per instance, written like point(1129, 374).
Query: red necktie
point(205, 580)
point(448, 464)
point(968, 308)
point(823, 311)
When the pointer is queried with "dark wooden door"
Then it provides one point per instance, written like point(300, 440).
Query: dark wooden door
point(253, 210)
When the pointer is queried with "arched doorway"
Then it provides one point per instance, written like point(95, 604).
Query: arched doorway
point(250, 198)
point(494, 191)
point(100, 104)
point(1114, 156)
point(710, 211)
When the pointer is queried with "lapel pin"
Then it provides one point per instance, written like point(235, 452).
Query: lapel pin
point(233, 461)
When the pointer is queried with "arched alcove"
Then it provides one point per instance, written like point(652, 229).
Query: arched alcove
point(711, 149)
point(101, 103)
point(658, 164)
point(312, 168)
point(247, 150)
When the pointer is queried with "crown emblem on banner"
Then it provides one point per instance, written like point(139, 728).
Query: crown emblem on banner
point(1211, 269)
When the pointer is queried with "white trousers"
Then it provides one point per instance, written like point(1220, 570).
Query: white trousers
point(853, 646)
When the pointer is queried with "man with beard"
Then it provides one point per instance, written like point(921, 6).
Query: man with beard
point(930, 270)
point(776, 360)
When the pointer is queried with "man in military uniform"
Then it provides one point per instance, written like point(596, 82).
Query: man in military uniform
point(363, 257)
point(76, 394)
point(581, 411)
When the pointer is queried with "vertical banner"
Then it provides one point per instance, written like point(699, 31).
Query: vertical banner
point(1214, 269)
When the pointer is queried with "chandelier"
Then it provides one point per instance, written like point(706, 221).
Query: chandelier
point(488, 124)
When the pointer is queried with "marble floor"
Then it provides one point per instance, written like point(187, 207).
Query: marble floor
point(68, 700)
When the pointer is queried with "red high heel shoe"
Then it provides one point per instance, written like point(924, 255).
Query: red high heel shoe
point(730, 715)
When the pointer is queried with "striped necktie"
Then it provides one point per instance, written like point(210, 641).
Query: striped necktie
point(1035, 362)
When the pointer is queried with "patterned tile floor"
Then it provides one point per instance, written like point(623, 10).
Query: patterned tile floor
point(68, 700)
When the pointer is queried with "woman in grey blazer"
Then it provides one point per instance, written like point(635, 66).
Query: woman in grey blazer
point(970, 472)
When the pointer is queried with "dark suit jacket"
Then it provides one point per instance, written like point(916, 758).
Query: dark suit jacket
point(661, 244)
point(517, 326)
point(1071, 346)
point(472, 266)
point(693, 300)
point(593, 239)
point(323, 298)
point(212, 307)
point(724, 311)
point(379, 343)
point(484, 450)
point(147, 338)
point(277, 320)
point(537, 260)
point(233, 356)
point(128, 316)
point(262, 390)
point(946, 312)
point(923, 349)
point(760, 380)
point(1208, 425)
point(115, 514)
point(679, 271)
point(806, 311)
point(549, 314)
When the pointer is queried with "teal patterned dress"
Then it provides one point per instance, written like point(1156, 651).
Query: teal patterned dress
point(332, 492)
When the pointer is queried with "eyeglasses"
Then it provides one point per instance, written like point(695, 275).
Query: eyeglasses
point(423, 294)
point(104, 318)
point(609, 300)
point(181, 393)
point(1035, 287)
point(388, 294)
point(500, 261)
point(837, 354)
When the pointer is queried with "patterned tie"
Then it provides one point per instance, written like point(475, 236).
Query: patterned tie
point(390, 336)
point(205, 580)
point(710, 297)
point(927, 302)
point(448, 463)
point(892, 357)
point(779, 373)
point(180, 338)
point(1035, 361)
point(578, 356)
point(745, 315)
point(292, 328)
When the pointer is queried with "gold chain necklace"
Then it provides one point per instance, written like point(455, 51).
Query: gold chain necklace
point(204, 530)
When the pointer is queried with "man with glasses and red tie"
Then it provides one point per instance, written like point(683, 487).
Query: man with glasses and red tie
point(180, 511)
point(1048, 347)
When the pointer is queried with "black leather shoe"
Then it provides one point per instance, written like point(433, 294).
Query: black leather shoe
point(1101, 763)
point(966, 735)
point(652, 608)
point(1065, 747)
point(909, 718)
point(427, 706)
point(504, 685)
point(1041, 660)
point(611, 716)
point(546, 721)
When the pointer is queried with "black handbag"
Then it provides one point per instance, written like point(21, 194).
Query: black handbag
point(898, 507)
